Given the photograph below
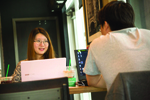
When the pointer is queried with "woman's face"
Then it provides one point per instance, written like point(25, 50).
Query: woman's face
point(40, 45)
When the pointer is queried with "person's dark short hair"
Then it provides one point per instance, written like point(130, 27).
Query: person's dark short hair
point(117, 14)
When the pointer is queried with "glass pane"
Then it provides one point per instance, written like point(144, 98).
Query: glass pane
point(142, 13)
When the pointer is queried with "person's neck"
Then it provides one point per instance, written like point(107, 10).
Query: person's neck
point(39, 57)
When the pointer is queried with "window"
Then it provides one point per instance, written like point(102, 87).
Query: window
point(142, 13)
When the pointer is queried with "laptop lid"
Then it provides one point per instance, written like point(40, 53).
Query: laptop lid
point(42, 69)
point(80, 57)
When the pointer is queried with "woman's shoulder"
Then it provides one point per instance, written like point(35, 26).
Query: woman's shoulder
point(21, 61)
point(24, 60)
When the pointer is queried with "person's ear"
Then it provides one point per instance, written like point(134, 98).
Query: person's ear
point(107, 27)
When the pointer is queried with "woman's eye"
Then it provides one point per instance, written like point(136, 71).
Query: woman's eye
point(38, 41)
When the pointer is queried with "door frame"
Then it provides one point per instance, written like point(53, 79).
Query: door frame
point(15, 20)
point(1, 51)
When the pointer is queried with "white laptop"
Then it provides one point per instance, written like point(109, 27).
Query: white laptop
point(42, 69)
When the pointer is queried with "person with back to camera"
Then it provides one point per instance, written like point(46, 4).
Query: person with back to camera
point(39, 47)
point(121, 48)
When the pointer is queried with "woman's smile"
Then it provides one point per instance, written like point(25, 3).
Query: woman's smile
point(41, 49)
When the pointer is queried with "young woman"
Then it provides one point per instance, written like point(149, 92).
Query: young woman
point(39, 47)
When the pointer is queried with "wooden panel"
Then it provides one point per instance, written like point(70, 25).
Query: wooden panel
point(84, 89)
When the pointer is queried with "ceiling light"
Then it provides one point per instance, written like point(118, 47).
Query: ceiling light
point(60, 1)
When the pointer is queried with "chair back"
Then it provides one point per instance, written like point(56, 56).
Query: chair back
point(130, 86)
point(53, 89)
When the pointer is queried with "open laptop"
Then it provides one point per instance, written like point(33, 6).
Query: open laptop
point(80, 57)
point(42, 69)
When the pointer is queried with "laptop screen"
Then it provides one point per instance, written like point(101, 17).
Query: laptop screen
point(80, 57)
point(42, 69)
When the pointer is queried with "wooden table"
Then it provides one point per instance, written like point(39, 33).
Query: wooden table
point(84, 89)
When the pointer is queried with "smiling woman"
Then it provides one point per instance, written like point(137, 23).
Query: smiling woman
point(39, 47)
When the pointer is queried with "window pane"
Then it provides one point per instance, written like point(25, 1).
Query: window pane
point(142, 13)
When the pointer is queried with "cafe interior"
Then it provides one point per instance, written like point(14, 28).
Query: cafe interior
point(69, 24)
